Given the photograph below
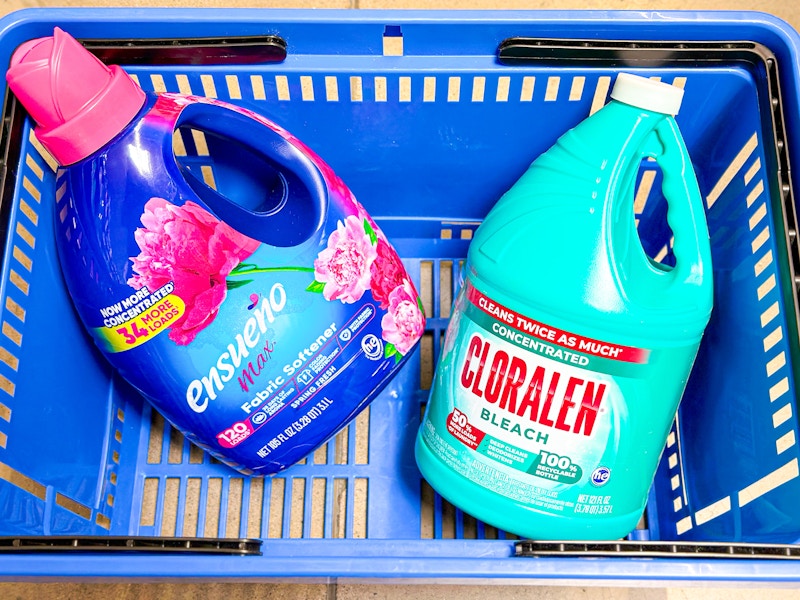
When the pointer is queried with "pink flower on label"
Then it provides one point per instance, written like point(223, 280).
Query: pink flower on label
point(190, 247)
point(387, 273)
point(344, 266)
point(404, 323)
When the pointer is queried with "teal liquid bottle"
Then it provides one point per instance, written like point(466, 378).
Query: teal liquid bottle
point(569, 348)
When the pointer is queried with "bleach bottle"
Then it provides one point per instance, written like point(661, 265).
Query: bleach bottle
point(569, 348)
point(258, 322)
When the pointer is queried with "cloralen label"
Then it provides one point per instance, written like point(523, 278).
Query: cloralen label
point(535, 409)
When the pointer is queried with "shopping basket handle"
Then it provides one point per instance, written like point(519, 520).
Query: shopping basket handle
point(238, 50)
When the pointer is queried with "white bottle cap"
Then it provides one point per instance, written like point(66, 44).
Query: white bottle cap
point(647, 94)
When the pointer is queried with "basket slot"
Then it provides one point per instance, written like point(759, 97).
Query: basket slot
point(234, 508)
point(318, 512)
point(169, 525)
point(360, 503)
point(176, 450)
point(255, 508)
point(320, 456)
point(362, 445)
point(191, 511)
point(147, 515)
point(211, 517)
point(19, 480)
point(155, 439)
point(427, 350)
point(275, 520)
point(294, 525)
point(427, 286)
point(446, 288)
point(338, 508)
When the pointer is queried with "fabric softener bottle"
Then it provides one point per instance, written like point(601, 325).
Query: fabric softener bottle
point(258, 323)
point(569, 348)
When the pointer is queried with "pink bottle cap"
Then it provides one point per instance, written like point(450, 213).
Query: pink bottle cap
point(79, 104)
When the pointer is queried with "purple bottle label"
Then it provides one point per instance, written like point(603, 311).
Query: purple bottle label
point(258, 353)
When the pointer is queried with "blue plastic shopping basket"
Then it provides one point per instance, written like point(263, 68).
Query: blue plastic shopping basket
point(428, 117)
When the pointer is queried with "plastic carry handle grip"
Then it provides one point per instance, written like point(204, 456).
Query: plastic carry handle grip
point(685, 215)
point(304, 208)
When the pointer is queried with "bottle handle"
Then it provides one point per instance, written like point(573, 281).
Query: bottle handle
point(302, 210)
point(685, 212)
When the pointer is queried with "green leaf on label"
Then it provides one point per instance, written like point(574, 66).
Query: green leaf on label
point(373, 237)
point(232, 285)
point(390, 350)
point(315, 287)
point(243, 267)
point(419, 303)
